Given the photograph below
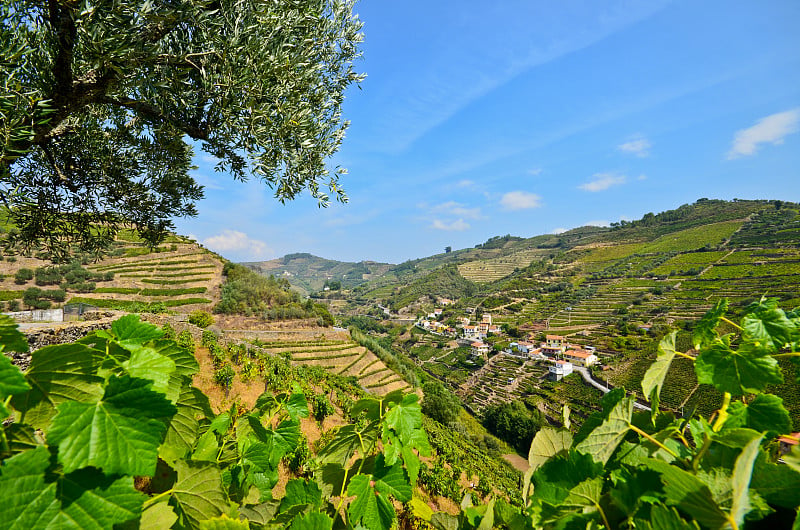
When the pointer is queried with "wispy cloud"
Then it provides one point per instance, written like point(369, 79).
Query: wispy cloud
point(771, 129)
point(603, 181)
point(458, 225)
point(597, 222)
point(559, 230)
point(235, 241)
point(466, 183)
point(520, 200)
point(535, 172)
point(638, 146)
point(456, 209)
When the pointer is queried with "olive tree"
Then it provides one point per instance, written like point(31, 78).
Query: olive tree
point(103, 103)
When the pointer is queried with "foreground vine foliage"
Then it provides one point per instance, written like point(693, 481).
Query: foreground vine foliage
point(109, 432)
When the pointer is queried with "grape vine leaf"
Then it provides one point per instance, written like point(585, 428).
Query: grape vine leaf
point(300, 492)
point(547, 442)
point(146, 363)
point(224, 522)
point(11, 382)
point(603, 440)
point(405, 417)
point(130, 329)
point(705, 331)
point(778, 484)
point(745, 371)
point(119, 434)
point(92, 500)
point(11, 338)
point(312, 521)
point(372, 505)
point(345, 443)
point(58, 374)
point(767, 324)
point(742, 473)
point(653, 379)
point(297, 406)
point(664, 518)
point(554, 480)
point(183, 429)
point(689, 494)
point(198, 492)
point(28, 502)
point(158, 516)
point(765, 413)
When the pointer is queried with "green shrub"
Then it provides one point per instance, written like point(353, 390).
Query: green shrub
point(224, 376)
point(185, 340)
point(322, 407)
point(208, 338)
point(13, 305)
point(169, 331)
point(23, 276)
point(200, 318)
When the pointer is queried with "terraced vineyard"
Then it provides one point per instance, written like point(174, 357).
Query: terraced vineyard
point(489, 270)
point(181, 276)
point(341, 356)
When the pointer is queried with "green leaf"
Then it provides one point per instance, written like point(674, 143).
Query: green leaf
point(603, 441)
point(92, 500)
point(185, 362)
point(183, 429)
point(748, 370)
point(653, 379)
point(705, 331)
point(301, 492)
point(130, 329)
point(547, 443)
point(119, 434)
point(21, 437)
point(312, 521)
point(11, 338)
point(556, 478)
point(198, 492)
point(778, 484)
point(370, 509)
point(27, 501)
point(767, 325)
point(345, 443)
point(158, 516)
point(371, 406)
point(297, 406)
point(765, 413)
point(689, 494)
point(742, 472)
point(420, 509)
point(11, 379)
point(663, 518)
point(57, 374)
point(405, 417)
point(146, 363)
point(391, 480)
point(224, 522)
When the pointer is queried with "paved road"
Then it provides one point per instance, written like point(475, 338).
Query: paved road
point(603, 388)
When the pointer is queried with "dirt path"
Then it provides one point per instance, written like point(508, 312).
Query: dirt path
point(519, 463)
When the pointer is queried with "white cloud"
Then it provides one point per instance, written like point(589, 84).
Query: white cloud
point(598, 222)
point(520, 200)
point(457, 225)
point(639, 146)
point(466, 183)
point(559, 230)
point(603, 181)
point(235, 241)
point(535, 172)
point(457, 210)
point(771, 129)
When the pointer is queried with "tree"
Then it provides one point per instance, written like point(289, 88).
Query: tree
point(103, 103)
point(439, 404)
point(448, 250)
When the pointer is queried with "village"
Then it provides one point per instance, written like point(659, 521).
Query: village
point(556, 350)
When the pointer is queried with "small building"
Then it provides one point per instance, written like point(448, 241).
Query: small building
point(487, 318)
point(580, 357)
point(478, 348)
point(560, 369)
point(494, 329)
point(787, 442)
point(554, 341)
point(470, 332)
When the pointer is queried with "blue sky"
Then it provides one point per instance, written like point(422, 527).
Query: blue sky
point(481, 118)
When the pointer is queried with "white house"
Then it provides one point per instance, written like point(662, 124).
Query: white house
point(479, 348)
point(559, 369)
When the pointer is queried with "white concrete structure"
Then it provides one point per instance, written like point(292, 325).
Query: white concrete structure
point(559, 369)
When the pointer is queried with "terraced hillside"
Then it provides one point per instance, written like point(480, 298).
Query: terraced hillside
point(179, 275)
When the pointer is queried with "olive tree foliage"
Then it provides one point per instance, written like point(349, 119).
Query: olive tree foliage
point(104, 101)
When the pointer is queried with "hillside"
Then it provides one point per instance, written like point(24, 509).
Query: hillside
point(179, 275)
point(309, 274)
point(618, 289)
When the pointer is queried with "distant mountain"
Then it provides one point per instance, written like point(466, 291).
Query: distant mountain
point(309, 273)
